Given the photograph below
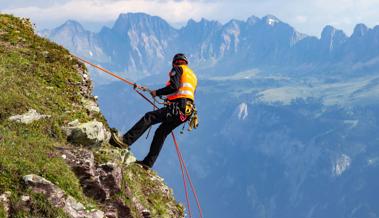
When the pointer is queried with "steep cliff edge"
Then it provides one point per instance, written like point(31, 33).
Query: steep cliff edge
point(55, 160)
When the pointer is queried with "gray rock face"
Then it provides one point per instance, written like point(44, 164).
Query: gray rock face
point(71, 31)
point(91, 133)
point(119, 156)
point(58, 198)
point(28, 117)
point(85, 85)
point(90, 105)
point(100, 182)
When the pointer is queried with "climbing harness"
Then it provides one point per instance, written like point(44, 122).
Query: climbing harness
point(183, 167)
point(189, 115)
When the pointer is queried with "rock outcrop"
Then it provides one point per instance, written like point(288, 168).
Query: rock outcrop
point(90, 105)
point(28, 117)
point(58, 198)
point(90, 134)
point(4, 203)
point(103, 182)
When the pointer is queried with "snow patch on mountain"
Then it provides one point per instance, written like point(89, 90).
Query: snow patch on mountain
point(271, 20)
point(243, 113)
point(341, 164)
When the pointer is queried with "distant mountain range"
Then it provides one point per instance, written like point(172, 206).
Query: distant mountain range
point(288, 122)
point(143, 45)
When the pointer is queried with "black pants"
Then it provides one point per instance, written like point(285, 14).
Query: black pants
point(168, 122)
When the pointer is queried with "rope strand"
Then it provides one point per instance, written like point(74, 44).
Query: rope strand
point(184, 182)
point(187, 174)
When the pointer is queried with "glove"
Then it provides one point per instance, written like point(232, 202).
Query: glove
point(153, 93)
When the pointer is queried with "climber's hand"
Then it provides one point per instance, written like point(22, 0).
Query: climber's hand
point(153, 93)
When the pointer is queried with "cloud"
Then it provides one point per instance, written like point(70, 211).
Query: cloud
point(301, 19)
point(306, 16)
point(21, 3)
point(104, 10)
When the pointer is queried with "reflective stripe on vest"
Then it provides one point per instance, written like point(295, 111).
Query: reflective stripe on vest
point(188, 83)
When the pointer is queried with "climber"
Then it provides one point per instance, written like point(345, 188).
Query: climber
point(180, 94)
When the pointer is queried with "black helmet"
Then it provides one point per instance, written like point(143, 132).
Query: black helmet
point(179, 56)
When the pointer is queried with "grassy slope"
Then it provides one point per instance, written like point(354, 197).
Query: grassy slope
point(36, 73)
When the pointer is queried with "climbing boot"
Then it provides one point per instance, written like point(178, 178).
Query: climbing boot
point(116, 141)
point(143, 164)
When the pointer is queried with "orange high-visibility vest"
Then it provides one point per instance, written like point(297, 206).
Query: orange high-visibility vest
point(188, 84)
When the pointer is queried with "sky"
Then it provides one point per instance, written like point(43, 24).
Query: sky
point(307, 16)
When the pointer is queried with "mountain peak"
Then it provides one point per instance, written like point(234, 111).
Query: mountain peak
point(360, 30)
point(271, 20)
point(69, 27)
point(328, 28)
point(191, 21)
point(332, 37)
point(72, 24)
point(252, 20)
point(233, 24)
point(203, 22)
point(140, 21)
point(330, 31)
point(133, 14)
point(132, 17)
point(209, 22)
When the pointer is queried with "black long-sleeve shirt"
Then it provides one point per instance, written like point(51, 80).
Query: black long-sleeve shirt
point(175, 75)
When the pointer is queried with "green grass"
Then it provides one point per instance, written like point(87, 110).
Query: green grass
point(28, 151)
point(140, 183)
point(2, 212)
point(36, 73)
point(36, 208)
point(147, 191)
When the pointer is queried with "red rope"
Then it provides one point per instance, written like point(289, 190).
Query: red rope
point(104, 70)
point(183, 166)
point(183, 178)
point(187, 174)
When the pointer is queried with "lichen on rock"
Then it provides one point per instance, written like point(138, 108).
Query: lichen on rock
point(90, 105)
point(121, 156)
point(91, 133)
point(28, 117)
